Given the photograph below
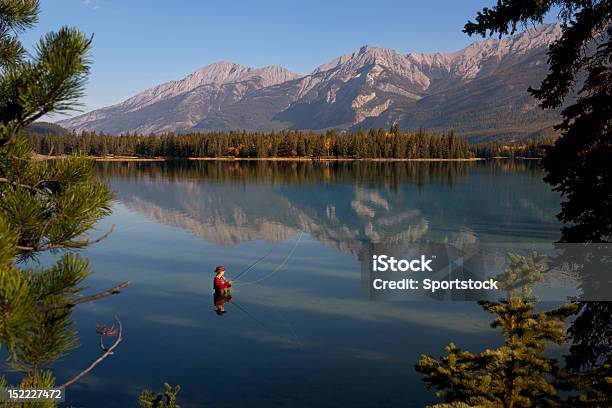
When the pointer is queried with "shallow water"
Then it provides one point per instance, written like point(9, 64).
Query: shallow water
point(304, 335)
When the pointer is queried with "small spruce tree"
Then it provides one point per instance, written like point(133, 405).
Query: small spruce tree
point(517, 374)
point(148, 399)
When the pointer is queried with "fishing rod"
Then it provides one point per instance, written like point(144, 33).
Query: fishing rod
point(253, 265)
point(265, 277)
point(279, 266)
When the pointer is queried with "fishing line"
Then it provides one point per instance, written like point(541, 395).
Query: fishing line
point(279, 266)
point(250, 315)
point(253, 264)
point(265, 326)
point(290, 327)
point(289, 255)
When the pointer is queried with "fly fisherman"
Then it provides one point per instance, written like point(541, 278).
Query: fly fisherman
point(221, 285)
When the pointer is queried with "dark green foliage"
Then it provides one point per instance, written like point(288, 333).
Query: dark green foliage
point(517, 374)
point(591, 387)
point(519, 278)
point(148, 399)
point(51, 332)
point(15, 16)
point(45, 128)
point(591, 336)
point(63, 200)
point(17, 304)
point(44, 205)
point(374, 144)
point(577, 164)
point(52, 81)
point(531, 148)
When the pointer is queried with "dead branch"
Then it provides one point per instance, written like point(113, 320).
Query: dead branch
point(20, 185)
point(106, 354)
point(85, 299)
point(103, 237)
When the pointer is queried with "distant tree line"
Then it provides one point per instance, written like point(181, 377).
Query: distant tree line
point(375, 143)
point(531, 148)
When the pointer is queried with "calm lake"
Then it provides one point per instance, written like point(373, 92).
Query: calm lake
point(299, 331)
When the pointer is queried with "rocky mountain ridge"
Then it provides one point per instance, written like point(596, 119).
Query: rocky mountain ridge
point(479, 91)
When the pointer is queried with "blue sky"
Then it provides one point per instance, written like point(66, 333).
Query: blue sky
point(139, 43)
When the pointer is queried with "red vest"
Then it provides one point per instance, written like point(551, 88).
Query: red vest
point(221, 283)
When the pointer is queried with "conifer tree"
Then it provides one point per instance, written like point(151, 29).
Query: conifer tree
point(591, 388)
point(148, 399)
point(45, 206)
point(577, 164)
point(517, 374)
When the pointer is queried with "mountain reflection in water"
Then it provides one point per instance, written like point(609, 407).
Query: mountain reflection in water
point(342, 204)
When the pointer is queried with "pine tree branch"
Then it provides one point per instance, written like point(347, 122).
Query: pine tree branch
point(97, 361)
point(117, 289)
point(81, 244)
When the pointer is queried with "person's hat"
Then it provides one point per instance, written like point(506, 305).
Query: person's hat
point(219, 268)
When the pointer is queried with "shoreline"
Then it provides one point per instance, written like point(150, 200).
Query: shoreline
point(280, 159)
point(327, 159)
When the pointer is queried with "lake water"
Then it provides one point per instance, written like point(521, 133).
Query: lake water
point(302, 335)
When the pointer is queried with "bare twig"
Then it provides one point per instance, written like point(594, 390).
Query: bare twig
point(24, 248)
point(103, 237)
point(44, 231)
point(106, 354)
point(12, 136)
point(27, 187)
point(102, 347)
point(85, 299)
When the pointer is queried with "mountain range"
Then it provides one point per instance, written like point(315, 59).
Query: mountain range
point(480, 92)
